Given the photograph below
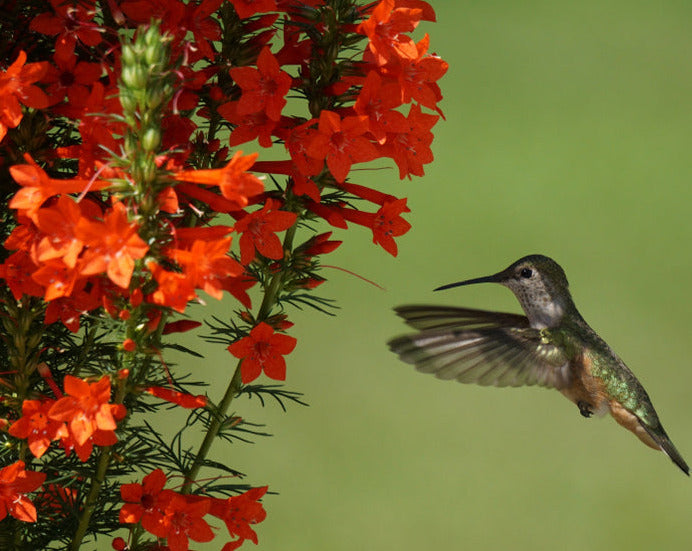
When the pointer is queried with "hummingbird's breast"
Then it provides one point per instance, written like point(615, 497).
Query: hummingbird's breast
point(584, 387)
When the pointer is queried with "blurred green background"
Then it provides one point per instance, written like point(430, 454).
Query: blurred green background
point(568, 133)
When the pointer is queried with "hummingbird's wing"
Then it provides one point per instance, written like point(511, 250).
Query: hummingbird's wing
point(446, 317)
point(476, 346)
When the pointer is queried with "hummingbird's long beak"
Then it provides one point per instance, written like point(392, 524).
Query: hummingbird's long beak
point(495, 278)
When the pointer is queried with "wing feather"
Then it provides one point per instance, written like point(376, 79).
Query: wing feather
point(420, 316)
point(480, 347)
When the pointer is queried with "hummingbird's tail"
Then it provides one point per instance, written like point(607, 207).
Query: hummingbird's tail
point(661, 438)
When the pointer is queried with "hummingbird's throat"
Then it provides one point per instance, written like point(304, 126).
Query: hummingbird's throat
point(542, 310)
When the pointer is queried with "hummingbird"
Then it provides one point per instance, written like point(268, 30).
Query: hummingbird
point(551, 346)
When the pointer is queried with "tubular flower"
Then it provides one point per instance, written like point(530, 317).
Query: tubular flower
point(264, 88)
point(341, 143)
point(15, 483)
point(235, 183)
point(113, 246)
point(263, 349)
point(239, 513)
point(37, 427)
point(17, 86)
point(86, 408)
point(258, 229)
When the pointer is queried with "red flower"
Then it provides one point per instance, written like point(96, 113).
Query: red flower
point(297, 143)
point(174, 289)
point(377, 100)
point(16, 85)
point(248, 126)
point(144, 502)
point(207, 264)
point(263, 349)
point(71, 22)
point(112, 246)
point(183, 519)
point(417, 77)
point(248, 8)
point(385, 29)
point(72, 78)
point(386, 223)
point(257, 229)
point(97, 128)
point(58, 223)
point(17, 271)
point(411, 149)
point(341, 143)
point(182, 399)
point(238, 513)
point(37, 187)
point(180, 326)
point(68, 309)
point(35, 425)
point(86, 408)
point(235, 182)
point(318, 244)
point(264, 88)
point(15, 483)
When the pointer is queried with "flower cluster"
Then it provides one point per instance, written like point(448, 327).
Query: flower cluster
point(79, 420)
point(126, 199)
point(177, 517)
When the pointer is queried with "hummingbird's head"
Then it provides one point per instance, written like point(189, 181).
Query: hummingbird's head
point(539, 284)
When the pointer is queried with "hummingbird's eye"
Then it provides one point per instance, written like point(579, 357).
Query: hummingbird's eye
point(526, 273)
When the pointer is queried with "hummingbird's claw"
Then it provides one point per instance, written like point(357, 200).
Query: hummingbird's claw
point(585, 409)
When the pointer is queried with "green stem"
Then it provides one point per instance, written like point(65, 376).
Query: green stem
point(90, 503)
point(270, 297)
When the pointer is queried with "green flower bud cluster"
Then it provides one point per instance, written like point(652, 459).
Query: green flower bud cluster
point(146, 88)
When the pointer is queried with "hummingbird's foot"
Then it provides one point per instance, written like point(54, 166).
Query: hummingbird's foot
point(585, 409)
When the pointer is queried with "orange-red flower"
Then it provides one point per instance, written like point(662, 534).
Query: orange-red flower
point(206, 263)
point(15, 483)
point(16, 86)
point(263, 349)
point(144, 502)
point(71, 22)
point(341, 143)
point(239, 513)
point(264, 88)
point(386, 223)
point(37, 427)
point(248, 126)
point(235, 182)
point(174, 289)
point(247, 8)
point(418, 77)
point(257, 232)
point(411, 149)
point(58, 223)
point(183, 399)
point(386, 27)
point(86, 408)
point(112, 246)
point(377, 100)
point(37, 187)
point(183, 520)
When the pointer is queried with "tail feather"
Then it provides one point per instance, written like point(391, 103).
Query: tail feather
point(667, 447)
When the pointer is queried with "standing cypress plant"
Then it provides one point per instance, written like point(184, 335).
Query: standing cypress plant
point(124, 197)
